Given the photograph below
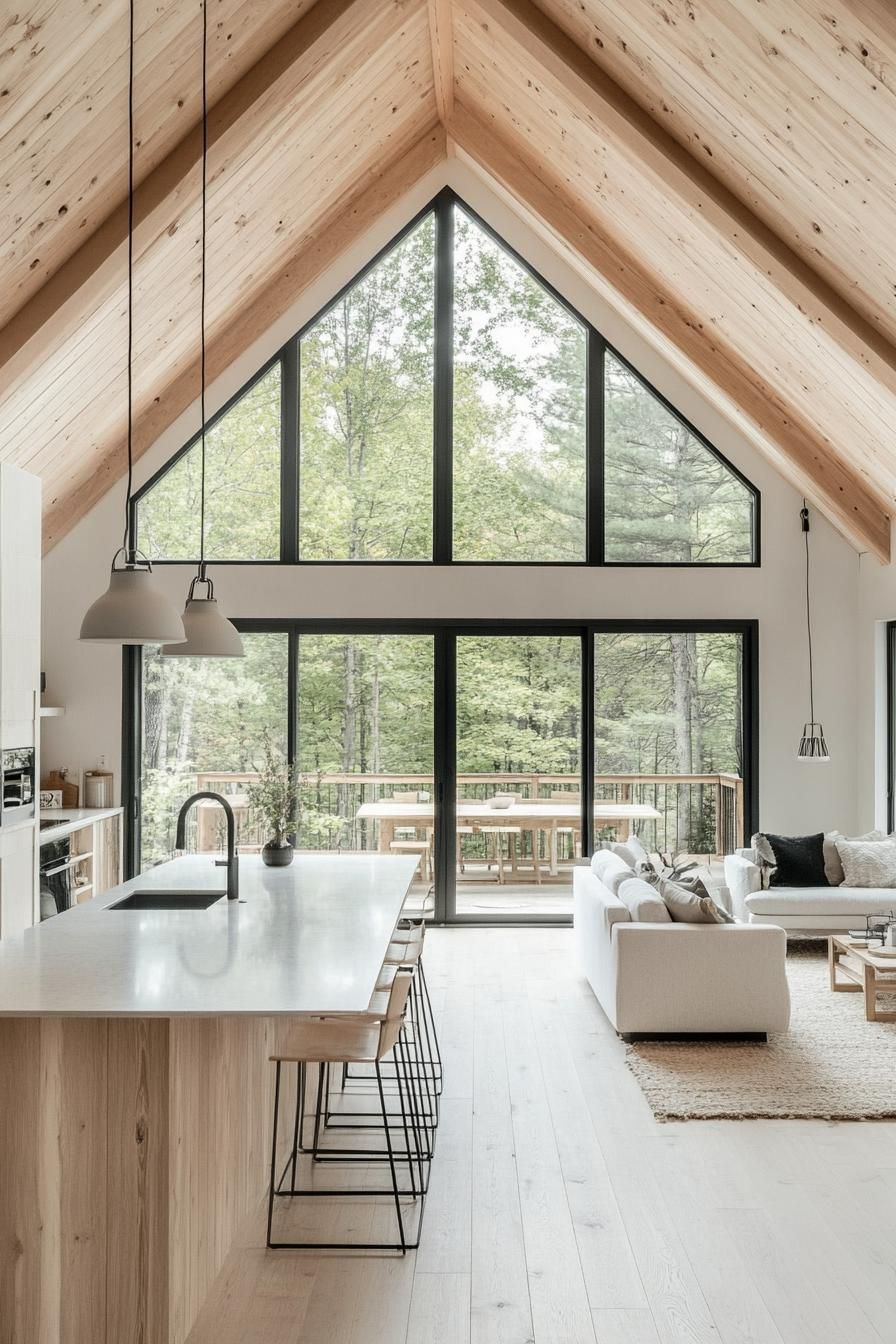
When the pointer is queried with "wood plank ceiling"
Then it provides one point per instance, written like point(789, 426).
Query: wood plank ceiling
point(724, 171)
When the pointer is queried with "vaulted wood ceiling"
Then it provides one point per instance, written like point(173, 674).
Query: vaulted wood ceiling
point(724, 171)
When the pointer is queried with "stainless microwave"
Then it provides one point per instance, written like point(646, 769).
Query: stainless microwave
point(17, 767)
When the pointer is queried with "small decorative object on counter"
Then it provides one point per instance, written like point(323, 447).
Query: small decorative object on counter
point(274, 801)
point(50, 798)
point(58, 779)
point(98, 787)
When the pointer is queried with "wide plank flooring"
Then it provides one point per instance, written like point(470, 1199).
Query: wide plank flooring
point(560, 1212)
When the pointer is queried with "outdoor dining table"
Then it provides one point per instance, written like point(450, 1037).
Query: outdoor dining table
point(528, 814)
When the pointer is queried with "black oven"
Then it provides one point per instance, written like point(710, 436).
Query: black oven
point(56, 886)
point(18, 784)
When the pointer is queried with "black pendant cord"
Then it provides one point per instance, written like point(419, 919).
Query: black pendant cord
point(804, 519)
point(202, 286)
point(128, 540)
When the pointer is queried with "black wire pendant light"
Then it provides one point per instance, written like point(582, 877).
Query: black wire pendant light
point(813, 746)
point(209, 633)
point(132, 610)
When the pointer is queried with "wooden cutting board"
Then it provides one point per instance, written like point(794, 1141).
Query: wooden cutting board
point(69, 789)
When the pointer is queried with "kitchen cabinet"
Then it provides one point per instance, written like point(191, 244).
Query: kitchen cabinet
point(20, 538)
point(95, 840)
point(17, 879)
point(20, 541)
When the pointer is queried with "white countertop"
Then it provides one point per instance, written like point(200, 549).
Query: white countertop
point(72, 819)
point(305, 939)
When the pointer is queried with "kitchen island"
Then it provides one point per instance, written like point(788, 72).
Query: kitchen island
point(135, 1089)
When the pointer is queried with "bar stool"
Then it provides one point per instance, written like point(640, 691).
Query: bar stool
point(366, 1038)
point(406, 952)
point(406, 949)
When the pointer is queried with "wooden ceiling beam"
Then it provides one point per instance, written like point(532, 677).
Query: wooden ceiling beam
point(345, 222)
point(793, 446)
point(524, 34)
point(442, 41)
point(311, 47)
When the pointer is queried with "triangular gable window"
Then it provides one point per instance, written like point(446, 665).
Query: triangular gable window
point(449, 405)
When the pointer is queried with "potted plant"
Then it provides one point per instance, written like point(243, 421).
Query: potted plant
point(274, 801)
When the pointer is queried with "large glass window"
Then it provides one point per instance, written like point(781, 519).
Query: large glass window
point(366, 417)
point(519, 793)
point(520, 378)
point(365, 749)
point(669, 739)
point(669, 500)
point(205, 725)
point(450, 406)
point(467, 749)
point(242, 487)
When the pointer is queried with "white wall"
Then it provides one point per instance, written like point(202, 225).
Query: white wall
point(876, 606)
point(87, 678)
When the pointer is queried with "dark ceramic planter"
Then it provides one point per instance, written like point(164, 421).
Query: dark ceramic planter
point(277, 856)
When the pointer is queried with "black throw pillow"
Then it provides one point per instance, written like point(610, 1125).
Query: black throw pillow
point(799, 860)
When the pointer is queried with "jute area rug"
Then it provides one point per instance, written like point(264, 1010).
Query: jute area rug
point(830, 1065)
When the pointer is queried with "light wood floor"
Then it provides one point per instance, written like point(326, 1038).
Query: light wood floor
point(560, 1212)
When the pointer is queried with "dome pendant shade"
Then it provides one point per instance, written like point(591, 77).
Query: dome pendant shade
point(209, 633)
point(132, 610)
point(813, 746)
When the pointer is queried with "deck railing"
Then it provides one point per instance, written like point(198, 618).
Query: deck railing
point(699, 813)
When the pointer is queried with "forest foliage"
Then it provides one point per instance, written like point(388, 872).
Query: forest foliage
point(664, 702)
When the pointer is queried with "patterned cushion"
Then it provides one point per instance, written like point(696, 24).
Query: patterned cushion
point(833, 868)
point(868, 863)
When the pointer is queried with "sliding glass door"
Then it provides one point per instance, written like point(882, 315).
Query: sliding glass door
point(366, 748)
point(670, 757)
point(518, 765)
point(205, 723)
point(496, 755)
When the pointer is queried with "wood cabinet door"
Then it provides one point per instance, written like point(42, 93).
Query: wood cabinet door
point(106, 854)
point(16, 880)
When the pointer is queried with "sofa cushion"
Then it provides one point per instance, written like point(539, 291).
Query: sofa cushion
point(853, 903)
point(610, 869)
point(622, 851)
point(687, 907)
point(799, 860)
point(644, 903)
point(833, 867)
point(634, 854)
point(762, 855)
point(868, 863)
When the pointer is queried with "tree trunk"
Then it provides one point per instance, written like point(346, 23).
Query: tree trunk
point(349, 727)
point(685, 725)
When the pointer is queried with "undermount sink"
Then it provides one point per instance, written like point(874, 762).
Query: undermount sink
point(168, 900)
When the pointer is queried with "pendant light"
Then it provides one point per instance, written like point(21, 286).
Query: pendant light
point(209, 633)
point(813, 746)
point(132, 610)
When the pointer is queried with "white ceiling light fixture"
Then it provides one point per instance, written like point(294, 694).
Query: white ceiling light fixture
point(813, 746)
point(132, 610)
point(209, 633)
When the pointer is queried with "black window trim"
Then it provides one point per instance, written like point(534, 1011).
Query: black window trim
point(891, 724)
point(445, 631)
point(289, 357)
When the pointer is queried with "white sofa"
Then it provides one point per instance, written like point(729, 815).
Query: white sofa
point(669, 978)
point(799, 909)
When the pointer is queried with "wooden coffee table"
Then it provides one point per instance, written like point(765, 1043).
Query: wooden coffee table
point(854, 968)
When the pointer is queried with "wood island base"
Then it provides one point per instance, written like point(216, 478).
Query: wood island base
point(131, 1150)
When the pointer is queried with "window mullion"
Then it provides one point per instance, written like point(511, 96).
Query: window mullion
point(443, 383)
point(289, 454)
point(595, 451)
